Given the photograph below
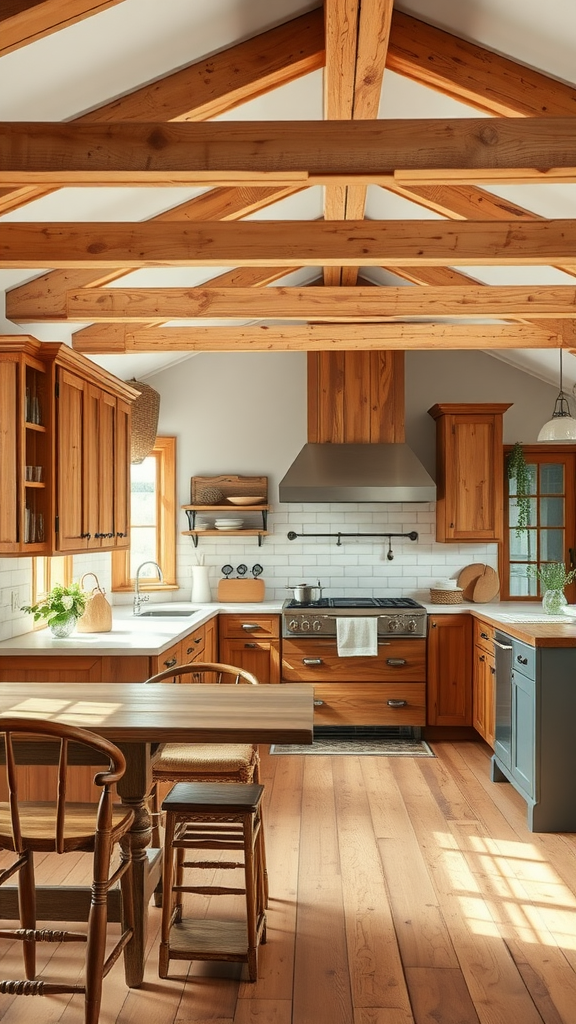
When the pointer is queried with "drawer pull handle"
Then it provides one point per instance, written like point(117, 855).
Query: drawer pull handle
point(250, 645)
point(250, 625)
point(318, 703)
point(521, 660)
point(312, 661)
point(484, 636)
point(395, 662)
point(171, 662)
point(397, 703)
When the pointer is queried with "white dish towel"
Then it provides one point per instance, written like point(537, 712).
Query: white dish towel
point(357, 637)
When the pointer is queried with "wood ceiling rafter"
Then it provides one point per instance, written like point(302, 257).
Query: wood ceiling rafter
point(321, 337)
point(242, 277)
point(473, 74)
point(24, 21)
point(356, 33)
point(210, 86)
point(277, 243)
point(45, 296)
point(354, 304)
point(296, 153)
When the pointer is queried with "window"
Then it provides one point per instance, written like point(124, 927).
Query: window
point(152, 519)
point(45, 573)
point(551, 532)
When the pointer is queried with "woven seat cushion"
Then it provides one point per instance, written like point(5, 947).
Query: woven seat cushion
point(183, 758)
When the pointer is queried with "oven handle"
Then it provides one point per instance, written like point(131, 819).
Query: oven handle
point(503, 647)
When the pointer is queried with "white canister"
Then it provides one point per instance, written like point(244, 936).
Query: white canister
point(200, 584)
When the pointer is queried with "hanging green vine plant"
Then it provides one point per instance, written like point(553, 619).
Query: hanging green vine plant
point(518, 471)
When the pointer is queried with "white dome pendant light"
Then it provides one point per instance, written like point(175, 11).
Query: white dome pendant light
point(562, 426)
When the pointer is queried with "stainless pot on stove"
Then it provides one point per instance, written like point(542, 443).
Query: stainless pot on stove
point(304, 593)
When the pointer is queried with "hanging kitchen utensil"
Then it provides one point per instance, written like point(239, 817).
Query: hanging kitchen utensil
point(241, 571)
point(257, 570)
point(390, 554)
point(227, 570)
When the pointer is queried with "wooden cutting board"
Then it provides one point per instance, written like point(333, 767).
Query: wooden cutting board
point(241, 590)
point(467, 579)
point(486, 586)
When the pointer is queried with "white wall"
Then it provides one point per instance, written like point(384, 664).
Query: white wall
point(245, 413)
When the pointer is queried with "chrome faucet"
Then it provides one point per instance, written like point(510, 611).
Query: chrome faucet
point(138, 597)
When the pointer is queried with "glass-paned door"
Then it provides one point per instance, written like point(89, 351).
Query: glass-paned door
point(549, 533)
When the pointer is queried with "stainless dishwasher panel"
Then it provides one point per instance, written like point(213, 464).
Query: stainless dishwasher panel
point(503, 731)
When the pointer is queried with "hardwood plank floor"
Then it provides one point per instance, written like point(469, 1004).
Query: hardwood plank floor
point(403, 891)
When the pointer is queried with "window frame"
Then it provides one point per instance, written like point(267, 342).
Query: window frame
point(164, 451)
point(65, 578)
point(540, 453)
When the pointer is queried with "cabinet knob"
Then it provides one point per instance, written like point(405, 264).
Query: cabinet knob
point(521, 660)
point(171, 662)
point(481, 657)
point(318, 703)
point(433, 625)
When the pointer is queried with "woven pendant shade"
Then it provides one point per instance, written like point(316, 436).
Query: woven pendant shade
point(145, 412)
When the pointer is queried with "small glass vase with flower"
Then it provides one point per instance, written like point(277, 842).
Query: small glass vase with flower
point(61, 607)
point(553, 578)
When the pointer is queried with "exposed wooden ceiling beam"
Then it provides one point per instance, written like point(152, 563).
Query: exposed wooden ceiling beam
point(356, 34)
point(243, 277)
point(294, 152)
point(318, 337)
point(286, 243)
point(211, 86)
point(473, 74)
point(312, 303)
point(45, 296)
point(23, 21)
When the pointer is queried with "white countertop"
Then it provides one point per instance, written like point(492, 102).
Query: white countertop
point(143, 635)
point(132, 634)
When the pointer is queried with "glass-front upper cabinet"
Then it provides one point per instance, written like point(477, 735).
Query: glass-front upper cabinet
point(541, 526)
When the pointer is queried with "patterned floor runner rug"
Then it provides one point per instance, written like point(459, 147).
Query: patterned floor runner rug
point(374, 747)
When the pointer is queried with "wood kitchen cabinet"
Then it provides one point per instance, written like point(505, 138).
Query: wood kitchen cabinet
point(251, 642)
point(389, 689)
point(483, 689)
point(65, 427)
point(449, 699)
point(469, 458)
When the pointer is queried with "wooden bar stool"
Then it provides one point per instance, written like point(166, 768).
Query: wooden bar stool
point(209, 816)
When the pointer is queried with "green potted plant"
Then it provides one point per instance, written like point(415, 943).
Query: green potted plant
point(553, 577)
point(518, 470)
point(61, 608)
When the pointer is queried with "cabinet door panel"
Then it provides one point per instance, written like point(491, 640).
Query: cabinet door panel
point(122, 475)
point(523, 731)
point(450, 670)
point(105, 440)
point(261, 657)
point(70, 463)
point(8, 457)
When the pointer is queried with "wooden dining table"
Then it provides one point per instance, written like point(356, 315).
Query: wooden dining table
point(139, 719)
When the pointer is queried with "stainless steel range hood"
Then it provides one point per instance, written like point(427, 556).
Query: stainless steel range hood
point(357, 472)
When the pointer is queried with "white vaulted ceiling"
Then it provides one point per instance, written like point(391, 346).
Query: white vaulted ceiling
point(78, 68)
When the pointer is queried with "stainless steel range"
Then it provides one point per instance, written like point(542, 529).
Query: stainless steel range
point(400, 617)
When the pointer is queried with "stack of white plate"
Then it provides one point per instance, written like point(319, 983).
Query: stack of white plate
point(228, 524)
point(201, 524)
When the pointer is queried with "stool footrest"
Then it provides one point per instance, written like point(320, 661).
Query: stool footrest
point(199, 939)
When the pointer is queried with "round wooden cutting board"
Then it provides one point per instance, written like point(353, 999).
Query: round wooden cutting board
point(467, 579)
point(486, 586)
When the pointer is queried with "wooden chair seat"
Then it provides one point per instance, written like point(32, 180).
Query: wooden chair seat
point(38, 826)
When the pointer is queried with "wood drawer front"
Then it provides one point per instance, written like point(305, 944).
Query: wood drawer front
point(412, 653)
point(260, 626)
point(484, 635)
point(192, 646)
point(367, 704)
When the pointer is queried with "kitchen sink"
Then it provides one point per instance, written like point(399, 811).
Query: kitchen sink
point(168, 614)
